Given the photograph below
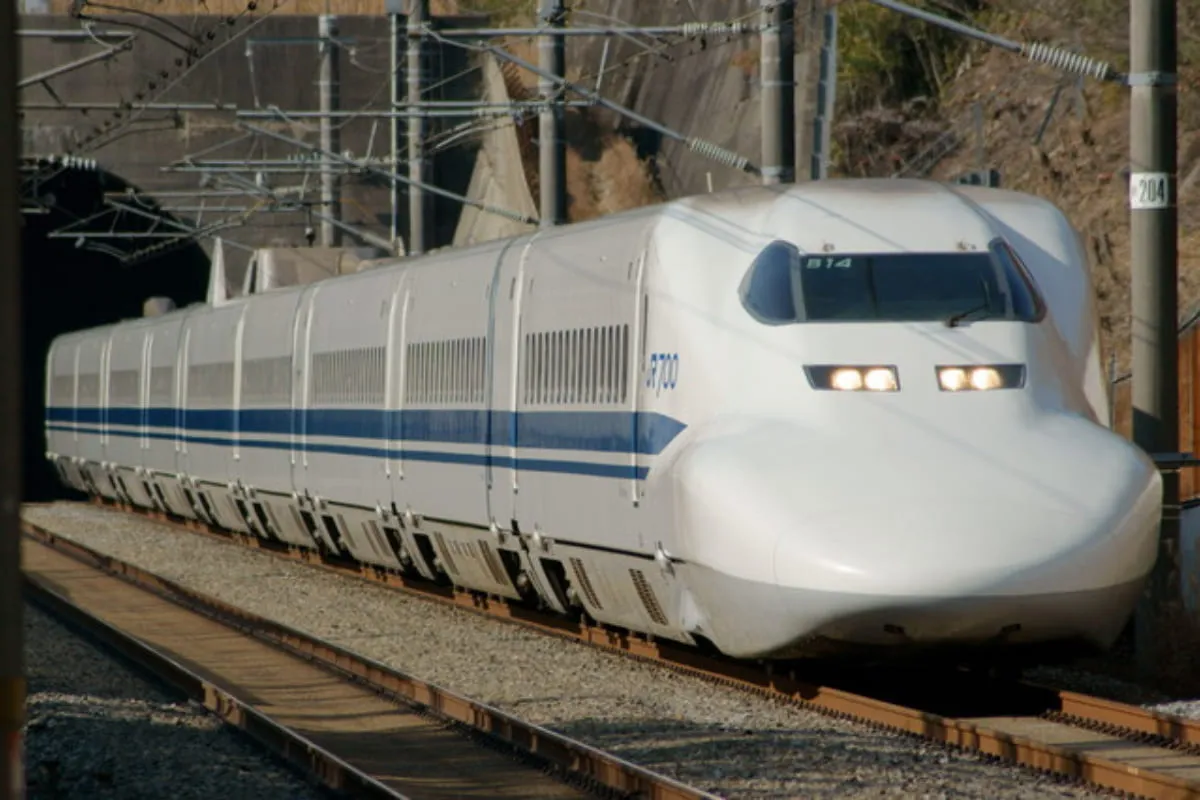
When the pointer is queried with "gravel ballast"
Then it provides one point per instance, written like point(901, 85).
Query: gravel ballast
point(723, 740)
point(97, 729)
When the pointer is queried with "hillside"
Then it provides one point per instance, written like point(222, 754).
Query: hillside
point(1083, 153)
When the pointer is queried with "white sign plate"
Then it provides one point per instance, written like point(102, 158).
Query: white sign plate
point(1149, 190)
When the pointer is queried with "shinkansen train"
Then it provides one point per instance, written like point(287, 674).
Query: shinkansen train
point(842, 416)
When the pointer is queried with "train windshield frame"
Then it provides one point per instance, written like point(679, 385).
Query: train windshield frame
point(785, 286)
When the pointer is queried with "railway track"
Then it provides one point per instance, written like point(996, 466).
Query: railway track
point(1098, 742)
point(351, 723)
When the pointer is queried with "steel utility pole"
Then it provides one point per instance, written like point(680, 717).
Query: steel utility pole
point(331, 196)
point(1154, 249)
point(778, 91)
point(395, 11)
point(552, 125)
point(826, 95)
point(418, 168)
point(12, 682)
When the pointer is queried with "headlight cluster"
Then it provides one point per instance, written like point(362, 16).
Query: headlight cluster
point(854, 379)
point(980, 379)
point(880, 378)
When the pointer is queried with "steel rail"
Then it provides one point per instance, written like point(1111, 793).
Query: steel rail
point(574, 759)
point(1168, 730)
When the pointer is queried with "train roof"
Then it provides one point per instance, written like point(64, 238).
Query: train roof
point(843, 215)
point(868, 214)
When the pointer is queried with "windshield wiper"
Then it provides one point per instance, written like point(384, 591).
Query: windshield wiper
point(956, 319)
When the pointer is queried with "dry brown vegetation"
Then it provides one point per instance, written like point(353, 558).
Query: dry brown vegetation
point(604, 172)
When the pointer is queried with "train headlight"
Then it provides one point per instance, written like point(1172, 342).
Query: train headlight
point(981, 378)
point(985, 378)
point(880, 380)
point(953, 379)
point(853, 379)
point(846, 380)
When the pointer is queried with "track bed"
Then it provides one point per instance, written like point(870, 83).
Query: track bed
point(409, 752)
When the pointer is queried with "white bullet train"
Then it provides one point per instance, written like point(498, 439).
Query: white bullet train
point(849, 416)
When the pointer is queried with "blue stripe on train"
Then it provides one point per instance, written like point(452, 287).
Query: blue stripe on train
point(591, 431)
point(627, 471)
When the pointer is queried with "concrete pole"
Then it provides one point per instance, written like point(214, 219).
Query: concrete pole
point(12, 682)
point(395, 10)
point(826, 96)
point(552, 126)
point(331, 139)
point(418, 168)
point(1154, 250)
point(778, 68)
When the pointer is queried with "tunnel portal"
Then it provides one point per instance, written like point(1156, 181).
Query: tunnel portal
point(86, 261)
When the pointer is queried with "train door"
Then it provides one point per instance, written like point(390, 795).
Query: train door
point(302, 338)
point(637, 361)
point(105, 357)
point(504, 398)
point(144, 399)
point(75, 400)
point(182, 464)
point(89, 412)
point(401, 381)
point(235, 472)
point(397, 383)
point(77, 475)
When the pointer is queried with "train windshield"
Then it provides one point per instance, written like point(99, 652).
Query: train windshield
point(784, 285)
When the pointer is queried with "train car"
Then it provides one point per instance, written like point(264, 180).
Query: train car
point(847, 416)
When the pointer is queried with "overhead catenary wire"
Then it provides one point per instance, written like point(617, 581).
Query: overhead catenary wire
point(1037, 52)
point(389, 175)
point(460, 134)
point(700, 146)
point(457, 135)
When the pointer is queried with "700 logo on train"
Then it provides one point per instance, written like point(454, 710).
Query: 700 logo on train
point(662, 372)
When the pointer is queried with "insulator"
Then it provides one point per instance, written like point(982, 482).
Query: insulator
point(718, 153)
point(1066, 61)
point(714, 28)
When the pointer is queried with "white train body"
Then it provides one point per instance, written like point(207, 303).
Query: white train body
point(627, 417)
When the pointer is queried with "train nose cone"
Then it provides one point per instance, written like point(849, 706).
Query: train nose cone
point(948, 535)
point(1061, 505)
point(1051, 543)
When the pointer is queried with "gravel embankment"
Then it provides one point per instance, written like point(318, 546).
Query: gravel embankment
point(1119, 690)
point(723, 740)
point(1189, 709)
point(97, 729)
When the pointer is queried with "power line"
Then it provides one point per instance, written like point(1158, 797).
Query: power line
point(487, 117)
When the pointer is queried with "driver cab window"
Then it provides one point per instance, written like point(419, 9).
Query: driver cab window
point(784, 285)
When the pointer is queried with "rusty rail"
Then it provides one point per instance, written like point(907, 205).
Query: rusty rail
point(601, 771)
point(1143, 774)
